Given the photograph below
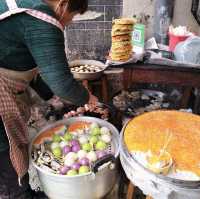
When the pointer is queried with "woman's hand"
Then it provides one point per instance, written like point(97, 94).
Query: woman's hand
point(92, 99)
point(56, 102)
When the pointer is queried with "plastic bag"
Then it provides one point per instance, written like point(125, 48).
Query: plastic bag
point(188, 51)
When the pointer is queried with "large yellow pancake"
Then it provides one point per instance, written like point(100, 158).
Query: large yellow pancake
point(150, 131)
point(125, 21)
point(116, 28)
point(120, 56)
point(120, 38)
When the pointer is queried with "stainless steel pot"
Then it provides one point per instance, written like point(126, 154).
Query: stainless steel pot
point(93, 185)
point(156, 185)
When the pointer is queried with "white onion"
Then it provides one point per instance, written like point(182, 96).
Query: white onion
point(82, 154)
point(55, 145)
point(104, 130)
point(106, 138)
point(71, 155)
point(92, 156)
point(69, 162)
point(80, 131)
point(83, 139)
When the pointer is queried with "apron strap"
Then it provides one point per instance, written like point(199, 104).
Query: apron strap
point(14, 9)
point(45, 17)
point(12, 5)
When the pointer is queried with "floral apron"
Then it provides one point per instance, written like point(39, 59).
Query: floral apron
point(14, 108)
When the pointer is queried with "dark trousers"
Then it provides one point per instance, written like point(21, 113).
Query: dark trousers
point(9, 186)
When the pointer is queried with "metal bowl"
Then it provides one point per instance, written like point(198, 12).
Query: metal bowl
point(84, 75)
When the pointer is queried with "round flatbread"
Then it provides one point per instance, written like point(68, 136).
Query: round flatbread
point(121, 32)
point(122, 27)
point(123, 59)
point(121, 49)
point(119, 38)
point(121, 43)
point(125, 21)
point(120, 57)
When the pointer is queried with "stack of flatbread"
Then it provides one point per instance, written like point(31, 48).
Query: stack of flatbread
point(121, 49)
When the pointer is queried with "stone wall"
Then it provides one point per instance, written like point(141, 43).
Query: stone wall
point(91, 39)
point(182, 13)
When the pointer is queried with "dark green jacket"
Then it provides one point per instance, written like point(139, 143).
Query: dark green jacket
point(30, 4)
point(27, 42)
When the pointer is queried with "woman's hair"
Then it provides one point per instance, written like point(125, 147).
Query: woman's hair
point(80, 6)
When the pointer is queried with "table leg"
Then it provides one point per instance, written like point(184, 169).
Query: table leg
point(104, 83)
point(197, 102)
point(127, 78)
point(130, 191)
point(185, 98)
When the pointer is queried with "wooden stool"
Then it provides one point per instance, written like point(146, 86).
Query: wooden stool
point(130, 192)
point(104, 87)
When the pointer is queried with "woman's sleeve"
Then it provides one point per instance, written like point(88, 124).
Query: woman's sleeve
point(41, 88)
point(46, 44)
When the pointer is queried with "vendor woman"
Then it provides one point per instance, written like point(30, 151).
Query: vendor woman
point(31, 50)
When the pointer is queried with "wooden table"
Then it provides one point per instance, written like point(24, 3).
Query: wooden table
point(186, 77)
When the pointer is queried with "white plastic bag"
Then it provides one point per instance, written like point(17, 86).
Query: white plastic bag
point(188, 51)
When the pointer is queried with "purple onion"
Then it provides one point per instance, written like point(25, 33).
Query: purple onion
point(66, 149)
point(74, 142)
point(75, 166)
point(101, 154)
point(64, 170)
point(84, 161)
point(76, 148)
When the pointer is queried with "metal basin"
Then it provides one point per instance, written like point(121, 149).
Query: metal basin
point(84, 75)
